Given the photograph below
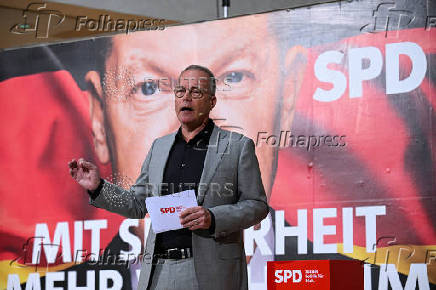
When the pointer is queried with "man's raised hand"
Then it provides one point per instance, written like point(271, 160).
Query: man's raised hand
point(85, 173)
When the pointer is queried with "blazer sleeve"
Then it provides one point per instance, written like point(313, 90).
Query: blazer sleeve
point(129, 203)
point(252, 206)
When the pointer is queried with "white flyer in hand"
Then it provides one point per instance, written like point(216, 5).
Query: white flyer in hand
point(165, 210)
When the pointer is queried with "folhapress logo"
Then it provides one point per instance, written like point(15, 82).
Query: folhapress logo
point(282, 276)
point(38, 19)
point(105, 24)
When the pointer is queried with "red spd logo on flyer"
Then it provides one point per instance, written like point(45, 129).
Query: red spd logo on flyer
point(298, 275)
point(171, 209)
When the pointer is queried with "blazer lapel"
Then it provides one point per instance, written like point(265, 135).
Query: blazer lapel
point(162, 154)
point(215, 150)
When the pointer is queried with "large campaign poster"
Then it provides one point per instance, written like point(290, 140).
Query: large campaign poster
point(338, 98)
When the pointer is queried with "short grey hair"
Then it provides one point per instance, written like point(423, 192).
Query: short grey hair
point(206, 70)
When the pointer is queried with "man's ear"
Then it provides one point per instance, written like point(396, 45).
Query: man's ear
point(295, 66)
point(212, 102)
point(95, 97)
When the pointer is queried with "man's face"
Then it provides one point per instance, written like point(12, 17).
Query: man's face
point(193, 108)
point(241, 53)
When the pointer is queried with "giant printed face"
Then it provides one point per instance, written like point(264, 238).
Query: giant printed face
point(255, 87)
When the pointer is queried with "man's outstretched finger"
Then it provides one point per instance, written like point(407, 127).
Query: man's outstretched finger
point(81, 162)
point(85, 164)
point(73, 172)
point(91, 165)
point(72, 164)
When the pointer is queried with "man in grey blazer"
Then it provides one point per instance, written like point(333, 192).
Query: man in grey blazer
point(228, 185)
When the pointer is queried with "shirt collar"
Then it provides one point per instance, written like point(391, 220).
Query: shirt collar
point(203, 134)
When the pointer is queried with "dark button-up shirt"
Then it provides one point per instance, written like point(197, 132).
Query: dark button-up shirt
point(182, 172)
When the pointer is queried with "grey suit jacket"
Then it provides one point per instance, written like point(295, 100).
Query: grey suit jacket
point(230, 186)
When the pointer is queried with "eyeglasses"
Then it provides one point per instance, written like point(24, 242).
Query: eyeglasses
point(195, 93)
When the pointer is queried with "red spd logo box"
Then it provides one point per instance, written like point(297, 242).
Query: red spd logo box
point(171, 209)
point(318, 274)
